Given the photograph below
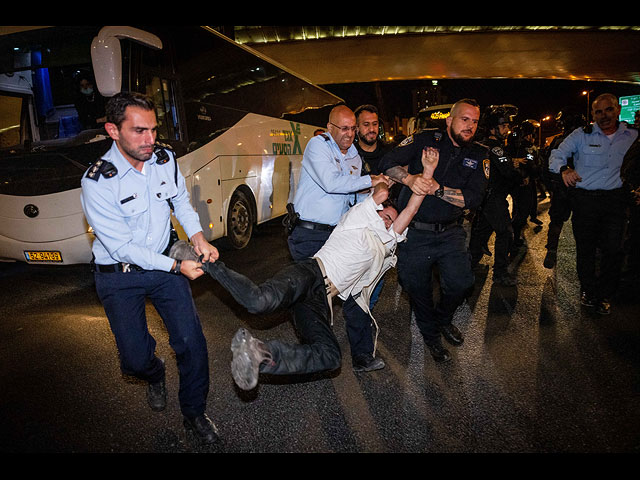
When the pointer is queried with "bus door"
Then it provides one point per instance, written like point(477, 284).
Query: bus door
point(206, 197)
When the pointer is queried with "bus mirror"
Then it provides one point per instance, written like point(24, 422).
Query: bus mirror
point(106, 55)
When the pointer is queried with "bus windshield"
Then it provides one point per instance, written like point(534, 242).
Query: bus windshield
point(47, 91)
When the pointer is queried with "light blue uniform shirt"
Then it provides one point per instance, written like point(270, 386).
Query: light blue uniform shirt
point(130, 215)
point(328, 181)
point(597, 158)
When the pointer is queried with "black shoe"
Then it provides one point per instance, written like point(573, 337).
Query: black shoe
point(367, 363)
point(157, 396)
point(586, 299)
point(603, 307)
point(452, 334)
point(203, 428)
point(550, 259)
point(438, 352)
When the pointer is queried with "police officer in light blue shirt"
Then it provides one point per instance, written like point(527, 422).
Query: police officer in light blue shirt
point(329, 181)
point(127, 197)
point(598, 200)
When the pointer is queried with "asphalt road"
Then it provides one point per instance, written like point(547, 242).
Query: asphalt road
point(537, 373)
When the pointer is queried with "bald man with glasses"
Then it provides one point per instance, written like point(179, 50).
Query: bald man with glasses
point(330, 181)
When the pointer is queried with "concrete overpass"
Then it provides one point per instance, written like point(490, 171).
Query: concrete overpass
point(333, 55)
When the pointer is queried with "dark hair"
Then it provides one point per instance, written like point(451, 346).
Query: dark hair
point(390, 203)
point(365, 108)
point(116, 106)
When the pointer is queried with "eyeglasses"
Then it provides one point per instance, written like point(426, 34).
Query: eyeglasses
point(344, 129)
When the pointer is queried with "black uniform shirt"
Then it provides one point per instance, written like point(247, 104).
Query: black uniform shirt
point(504, 175)
point(466, 168)
point(371, 160)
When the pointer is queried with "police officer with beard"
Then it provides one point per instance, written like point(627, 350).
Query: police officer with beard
point(494, 216)
point(436, 237)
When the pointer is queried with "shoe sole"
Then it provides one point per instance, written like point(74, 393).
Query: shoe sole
point(244, 366)
point(181, 250)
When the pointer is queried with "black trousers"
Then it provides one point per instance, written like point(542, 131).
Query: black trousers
point(598, 221)
point(559, 213)
point(522, 199)
point(494, 217)
point(299, 287)
point(417, 258)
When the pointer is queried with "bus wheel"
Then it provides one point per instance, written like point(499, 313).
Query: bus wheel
point(239, 221)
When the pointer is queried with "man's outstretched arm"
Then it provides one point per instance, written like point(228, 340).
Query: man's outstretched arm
point(430, 157)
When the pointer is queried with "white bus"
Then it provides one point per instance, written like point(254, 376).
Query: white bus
point(237, 121)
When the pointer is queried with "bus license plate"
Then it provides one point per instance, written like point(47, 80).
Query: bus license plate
point(32, 256)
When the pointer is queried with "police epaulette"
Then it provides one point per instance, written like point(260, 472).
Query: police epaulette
point(107, 169)
point(160, 149)
point(325, 136)
point(588, 128)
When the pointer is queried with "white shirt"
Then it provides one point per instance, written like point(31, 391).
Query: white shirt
point(354, 255)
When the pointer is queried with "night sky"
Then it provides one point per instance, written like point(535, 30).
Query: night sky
point(535, 99)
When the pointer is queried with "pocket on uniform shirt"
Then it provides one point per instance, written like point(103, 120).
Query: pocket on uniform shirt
point(592, 156)
point(165, 191)
point(134, 208)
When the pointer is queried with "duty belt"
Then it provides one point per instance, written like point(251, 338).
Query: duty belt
point(116, 267)
point(435, 227)
point(314, 226)
point(598, 193)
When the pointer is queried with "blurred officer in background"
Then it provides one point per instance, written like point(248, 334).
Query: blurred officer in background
point(521, 148)
point(493, 215)
point(568, 119)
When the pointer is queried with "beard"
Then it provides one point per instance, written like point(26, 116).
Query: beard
point(364, 140)
point(460, 140)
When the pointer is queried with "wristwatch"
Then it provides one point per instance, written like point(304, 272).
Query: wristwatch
point(439, 193)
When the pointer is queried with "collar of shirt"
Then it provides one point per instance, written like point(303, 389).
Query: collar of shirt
point(114, 155)
point(351, 152)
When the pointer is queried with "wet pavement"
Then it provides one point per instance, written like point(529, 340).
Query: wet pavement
point(537, 372)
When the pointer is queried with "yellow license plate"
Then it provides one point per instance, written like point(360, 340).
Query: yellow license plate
point(32, 256)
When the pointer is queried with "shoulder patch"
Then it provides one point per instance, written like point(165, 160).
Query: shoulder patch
point(486, 167)
point(162, 156)
point(406, 141)
point(107, 169)
point(497, 151)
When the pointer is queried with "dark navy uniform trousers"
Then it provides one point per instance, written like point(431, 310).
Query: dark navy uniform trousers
point(123, 296)
point(417, 258)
